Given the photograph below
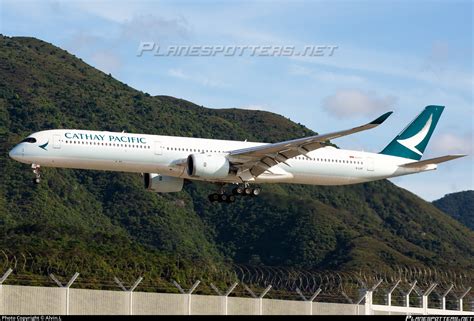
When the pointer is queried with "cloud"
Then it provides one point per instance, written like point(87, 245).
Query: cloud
point(199, 79)
point(148, 27)
point(434, 69)
point(81, 41)
point(106, 61)
point(113, 11)
point(178, 73)
point(449, 143)
point(326, 76)
point(353, 103)
point(254, 107)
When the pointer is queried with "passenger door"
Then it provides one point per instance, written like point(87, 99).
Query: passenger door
point(370, 164)
point(56, 141)
point(158, 148)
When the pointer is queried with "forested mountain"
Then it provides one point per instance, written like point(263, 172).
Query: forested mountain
point(458, 205)
point(107, 219)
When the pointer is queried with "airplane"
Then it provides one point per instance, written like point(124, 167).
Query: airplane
point(167, 161)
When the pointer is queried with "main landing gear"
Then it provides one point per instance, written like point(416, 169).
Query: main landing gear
point(224, 197)
point(36, 170)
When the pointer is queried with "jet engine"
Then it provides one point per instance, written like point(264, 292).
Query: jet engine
point(162, 184)
point(208, 166)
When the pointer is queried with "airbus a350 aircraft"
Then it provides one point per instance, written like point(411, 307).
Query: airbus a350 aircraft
point(167, 161)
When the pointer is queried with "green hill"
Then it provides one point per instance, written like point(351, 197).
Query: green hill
point(109, 221)
point(459, 206)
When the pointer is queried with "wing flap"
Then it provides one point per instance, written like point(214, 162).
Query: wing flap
point(304, 143)
point(259, 159)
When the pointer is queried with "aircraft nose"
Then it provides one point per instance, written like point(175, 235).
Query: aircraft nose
point(15, 153)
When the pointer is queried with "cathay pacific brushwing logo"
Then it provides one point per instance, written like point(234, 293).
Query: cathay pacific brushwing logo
point(44, 145)
point(414, 140)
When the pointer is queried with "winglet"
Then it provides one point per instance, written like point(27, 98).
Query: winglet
point(381, 119)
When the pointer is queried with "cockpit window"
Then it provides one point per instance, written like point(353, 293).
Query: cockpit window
point(29, 140)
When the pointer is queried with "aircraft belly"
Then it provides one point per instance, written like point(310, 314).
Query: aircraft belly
point(122, 164)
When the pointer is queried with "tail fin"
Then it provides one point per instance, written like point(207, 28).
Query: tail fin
point(412, 141)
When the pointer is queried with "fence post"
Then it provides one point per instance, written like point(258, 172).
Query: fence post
point(425, 296)
point(189, 293)
point(443, 297)
point(5, 275)
point(225, 296)
point(367, 297)
point(134, 286)
point(66, 287)
point(389, 293)
point(130, 291)
point(310, 301)
point(260, 297)
point(2, 279)
point(407, 294)
point(461, 297)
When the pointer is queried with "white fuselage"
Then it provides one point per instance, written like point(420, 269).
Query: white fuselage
point(166, 155)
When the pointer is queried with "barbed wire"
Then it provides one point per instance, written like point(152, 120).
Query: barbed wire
point(37, 268)
point(351, 283)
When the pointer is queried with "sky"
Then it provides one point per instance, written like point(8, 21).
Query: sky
point(387, 55)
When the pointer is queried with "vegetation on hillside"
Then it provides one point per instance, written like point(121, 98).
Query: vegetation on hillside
point(108, 220)
point(458, 205)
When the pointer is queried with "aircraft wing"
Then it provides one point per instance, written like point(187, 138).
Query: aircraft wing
point(253, 161)
point(432, 161)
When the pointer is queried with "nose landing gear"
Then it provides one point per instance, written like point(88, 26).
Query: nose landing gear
point(36, 170)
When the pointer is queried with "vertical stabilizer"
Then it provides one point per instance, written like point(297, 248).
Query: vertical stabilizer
point(412, 141)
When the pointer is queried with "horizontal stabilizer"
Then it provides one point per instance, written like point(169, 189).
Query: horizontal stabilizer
point(431, 161)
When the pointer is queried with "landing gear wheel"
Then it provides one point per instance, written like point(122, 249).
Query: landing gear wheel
point(231, 199)
point(238, 191)
point(223, 198)
point(36, 180)
point(214, 197)
point(256, 191)
point(247, 191)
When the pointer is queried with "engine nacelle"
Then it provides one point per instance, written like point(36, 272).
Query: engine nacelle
point(208, 166)
point(162, 184)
